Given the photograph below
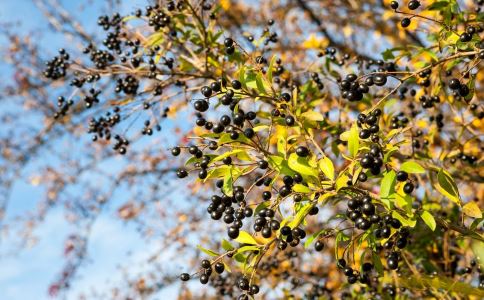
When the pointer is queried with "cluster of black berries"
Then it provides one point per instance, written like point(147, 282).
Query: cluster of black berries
point(265, 222)
point(354, 275)
point(412, 5)
point(129, 85)
point(244, 285)
point(467, 35)
point(121, 144)
point(271, 37)
point(100, 58)
point(369, 125)
point(91, 98)
point(439, 120)
point(372, 160)
point(471, 159)
point(105, 22)
point(229, 46)
point(63, 106)
point(290, 236)
point(56, 67)
point(158, 20)
point(317, 80)
point(112, 41)
point(362, 211)
point(458, 88)
point(101, 128)
point(351, 89)
point(399, 121)
point(148, 130)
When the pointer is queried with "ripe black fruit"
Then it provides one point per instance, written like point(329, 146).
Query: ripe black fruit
point(185, 277)
point(206, 91)
point(219, 267)
point(233, 232)
point(454, 83)
point(228, 42)
point(405, 22)
point(319, 246)
point(394, 5)
point(236, 84)
point(402, 176)
point(175, 151)
point(408, 188)
point(392, 263)
point(205, 264)
point(413, 5)
point(302, 151)
point(380, 79)
point(289, 120)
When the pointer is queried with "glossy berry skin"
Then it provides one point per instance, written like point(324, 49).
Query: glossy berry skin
point(205, 264)
point(402, 176)
point(233, 232)
point(405, 22)
point(236, 84)
point(454, 84)
point(408, 188)
point(185, 277)
point(302, 151)
point(394, 5)
point(319, 246)
point(206, 91)
point(219, 267)
point(465, 37)
point(175, 151)
point(228, 42)
point(289, 120)
point(392, 263)
point(413, 5)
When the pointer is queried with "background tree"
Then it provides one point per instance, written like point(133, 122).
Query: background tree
point(324, 161)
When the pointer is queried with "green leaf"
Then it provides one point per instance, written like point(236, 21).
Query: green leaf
point(472, 210)
point(247, 248)
point(412, 167)
point(438, 5)
point(377, 263)
point(387, 186)
point(310, 239)
point(245, 238)
point(226, 245)
point(207, 251)
point(326, 165)
point(301, 165)
point(404, 220)
point(447, 187)
point(353, 141)
point(301, 214)
point(388, 54)
point(428, 219)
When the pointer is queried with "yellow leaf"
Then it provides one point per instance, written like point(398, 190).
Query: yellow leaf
point(472, 210)
point(314, 42)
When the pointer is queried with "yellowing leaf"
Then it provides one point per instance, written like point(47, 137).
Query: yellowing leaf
point(301, 165)
point(412, 167)
point(429, 220)
point(353, 141)
point(447, 187)
point(472, 210)
point(314, 42)
point(326, 165)
point(245, 238)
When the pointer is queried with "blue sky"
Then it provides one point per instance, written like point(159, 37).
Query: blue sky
point(26, 274)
